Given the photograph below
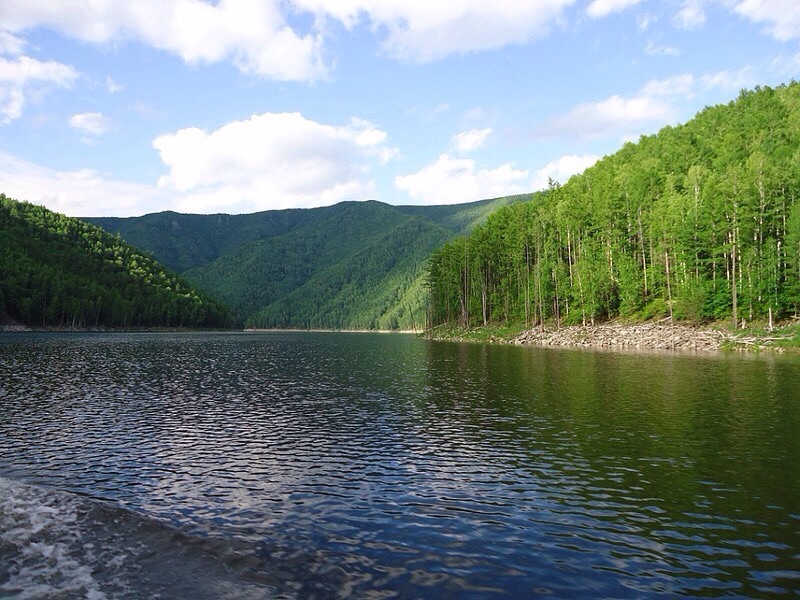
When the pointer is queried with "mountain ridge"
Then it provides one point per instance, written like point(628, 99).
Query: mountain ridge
point(352, 265)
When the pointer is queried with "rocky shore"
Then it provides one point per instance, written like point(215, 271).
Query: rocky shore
point(661, 335)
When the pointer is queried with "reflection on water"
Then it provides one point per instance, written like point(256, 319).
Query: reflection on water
point(419, 468)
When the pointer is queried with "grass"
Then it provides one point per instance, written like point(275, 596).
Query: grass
point(784, 337)
point(494, 332)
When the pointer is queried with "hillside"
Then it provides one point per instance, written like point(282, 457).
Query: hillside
point(353, 265)
point(61, 272)
point(699, 222)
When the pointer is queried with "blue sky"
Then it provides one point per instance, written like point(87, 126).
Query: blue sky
point(125, 108)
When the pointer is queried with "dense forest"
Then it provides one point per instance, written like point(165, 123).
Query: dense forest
point(699, 222)
point(354, 265)
point(57, 271)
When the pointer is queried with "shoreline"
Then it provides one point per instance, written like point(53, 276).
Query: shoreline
point(321, 330)
point(648, 335)
point(662, 335)
point(639, 336)
point(20, 328)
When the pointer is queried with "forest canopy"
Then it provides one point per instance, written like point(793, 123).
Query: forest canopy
point(56, 271)
point(353, 265)
point(698, 222)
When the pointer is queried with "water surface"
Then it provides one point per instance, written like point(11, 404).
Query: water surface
point(336, 465)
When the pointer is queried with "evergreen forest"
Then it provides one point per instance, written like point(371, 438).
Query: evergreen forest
point(56, 271)
point(699, 222)
point(354, 265)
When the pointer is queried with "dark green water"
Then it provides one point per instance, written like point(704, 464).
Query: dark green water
point(336, 465)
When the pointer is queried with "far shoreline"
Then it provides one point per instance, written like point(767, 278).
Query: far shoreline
point(323, 330)
point(21, 328)
point(661, 335)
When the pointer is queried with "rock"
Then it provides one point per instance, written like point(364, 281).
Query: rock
point(652, 335)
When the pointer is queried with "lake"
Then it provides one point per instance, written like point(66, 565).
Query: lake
point(332, 465)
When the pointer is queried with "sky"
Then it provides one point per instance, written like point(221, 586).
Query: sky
point(115, 108)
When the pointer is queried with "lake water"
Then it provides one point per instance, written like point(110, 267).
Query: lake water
point(299, 465)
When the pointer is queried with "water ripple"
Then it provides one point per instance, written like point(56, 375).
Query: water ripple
point(396, 467)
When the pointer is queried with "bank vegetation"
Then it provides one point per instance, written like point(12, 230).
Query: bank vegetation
point(698, 224)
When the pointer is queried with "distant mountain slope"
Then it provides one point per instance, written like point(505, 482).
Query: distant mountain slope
point(351, 265)
point(61, 272)
point(698, 222)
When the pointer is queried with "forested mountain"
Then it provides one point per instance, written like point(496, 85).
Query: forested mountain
point(61, 272)
point(355, 265)
point(698, 222)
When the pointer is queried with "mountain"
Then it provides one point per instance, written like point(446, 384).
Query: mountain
point(699, 222)
point(358, 265)
point(61, 272)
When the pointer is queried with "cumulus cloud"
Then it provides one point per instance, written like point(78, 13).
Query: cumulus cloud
point(79, 193)
point(450, 180)
point(268, 161)
point(253, 34)
point(21, 75)
point(421, 30)
point(266, 37)
point(272, 160)
point(782, 17)
point(612, 115)
point(261, 37)
point(561, 169)
point(90, 122)
point(656, 104)
point(469, 141)
point(603, 8)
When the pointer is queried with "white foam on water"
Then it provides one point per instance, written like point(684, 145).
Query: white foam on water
point(58, 546)
point(42, 552)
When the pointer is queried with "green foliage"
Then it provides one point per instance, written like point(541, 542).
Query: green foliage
point(697, 222)
point(61, 272)
point(355, 265)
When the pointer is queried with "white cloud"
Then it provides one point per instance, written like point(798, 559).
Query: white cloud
point(272, 160)
point(20, 75)
point(679, 85)
point(253, 34)
point(654, 49)
point(451, 180)
point(691, 15)
point(112, 86)
point(781, 16)
point(269, 161)
point(612, 115)
point(786, 66)
point(80, 193)
point(264, 37)
point(658, 103)
point(561, 169)
point(90, 122)
point(730, 81)
point(603, 8)
point(10, 44)
point(644, 21)
point(469, 141)
point(422, 30)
